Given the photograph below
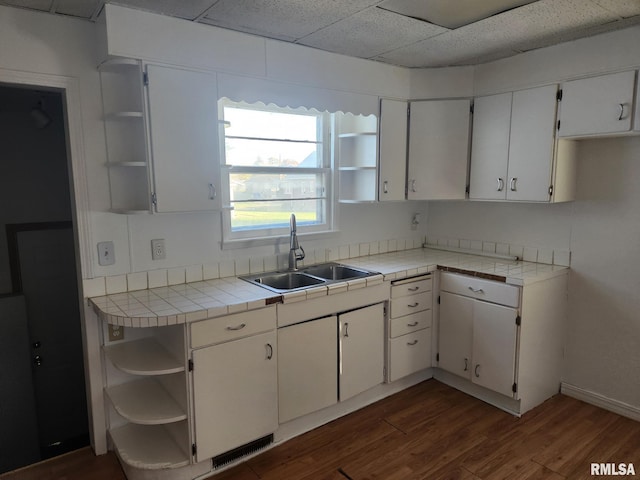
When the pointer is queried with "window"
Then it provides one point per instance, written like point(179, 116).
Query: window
point(276, 161)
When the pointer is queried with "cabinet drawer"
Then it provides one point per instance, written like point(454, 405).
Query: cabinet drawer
point(402, 289)
point(229, 327)
point(410, 304)
point(410, 323)
point(409, 353)
point(480, 289)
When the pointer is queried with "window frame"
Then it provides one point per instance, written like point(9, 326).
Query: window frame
point(257, 236)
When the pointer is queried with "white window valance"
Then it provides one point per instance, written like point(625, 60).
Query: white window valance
point(252, 90)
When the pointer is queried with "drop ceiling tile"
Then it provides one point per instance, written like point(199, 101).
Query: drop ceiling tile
point(524, 28)
point(77, 8)
point(624, 8)
point(371, 32)
point(282, 18)
point(190, 9)
point(43, 5)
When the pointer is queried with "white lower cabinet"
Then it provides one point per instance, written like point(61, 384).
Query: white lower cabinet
point(500, 342)
point(361, 350)
point(410, 326)
point(307, 367)
point(478, 341)
point(234, 378)
point(234, 393)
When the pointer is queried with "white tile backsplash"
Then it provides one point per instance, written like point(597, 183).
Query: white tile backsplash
point(137, 281)
point(157, 278)
point(176, 276)
point(116, 284)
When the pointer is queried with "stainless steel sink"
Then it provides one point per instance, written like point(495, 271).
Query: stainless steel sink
point(335, 271)
point(316, 275)
point(285, 281)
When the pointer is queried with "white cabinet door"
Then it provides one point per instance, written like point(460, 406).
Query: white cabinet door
point(597, 105)
point(183, 124)
point(494, 346)
point(532, 142)
point(361, 350)
point(438, 149)
point(393, 150)
point(307, 367)
point(235, 393)
point(490, 147)
point(456, 334)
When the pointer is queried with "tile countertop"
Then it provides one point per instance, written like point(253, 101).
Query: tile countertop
point(211, 298)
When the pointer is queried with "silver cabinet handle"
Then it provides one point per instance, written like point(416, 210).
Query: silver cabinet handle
point(346, 329)
point(475, 371)
point(212, 192)
point(237, 327)
point(413, 185)
point(413, 289)
point(385, 187)
point(466, 364)
point(476, 290)
point(622, 116)
point(414, 324)
point(512, 184)
point(413, 305)
point(411, 344)
point(269, 351)
point(500, 184)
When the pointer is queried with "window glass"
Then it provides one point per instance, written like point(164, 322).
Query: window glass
point(275, 162)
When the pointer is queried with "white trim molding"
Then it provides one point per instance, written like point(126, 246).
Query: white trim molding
point(601, 401)
point(70, 90)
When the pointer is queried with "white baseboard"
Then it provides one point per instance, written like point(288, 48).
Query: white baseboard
point(601, 401)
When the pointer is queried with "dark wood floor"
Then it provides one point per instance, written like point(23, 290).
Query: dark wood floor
point(430, 432)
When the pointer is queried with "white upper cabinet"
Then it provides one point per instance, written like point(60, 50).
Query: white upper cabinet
point(531, 145)
point(393, 150)
point(490, 146)
point(183, 130)
point(438, 149)
point(598, 105)
point(514, 153)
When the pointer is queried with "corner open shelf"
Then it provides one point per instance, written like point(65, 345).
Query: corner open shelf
point(125, 131)
point(143, 357)
point(356, 157)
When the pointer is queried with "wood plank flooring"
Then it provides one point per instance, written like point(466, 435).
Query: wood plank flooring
point(429, 431)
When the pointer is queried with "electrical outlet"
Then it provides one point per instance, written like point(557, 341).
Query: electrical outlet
point(158, 251)
point(106, 254)
point(116, 332)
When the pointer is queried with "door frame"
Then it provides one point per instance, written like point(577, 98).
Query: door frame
point(69, 87)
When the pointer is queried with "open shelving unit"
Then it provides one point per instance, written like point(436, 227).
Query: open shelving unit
point(123, 105)
point(147, 388)
point(356, 141)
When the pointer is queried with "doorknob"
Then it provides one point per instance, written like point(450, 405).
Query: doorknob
point(37, 360)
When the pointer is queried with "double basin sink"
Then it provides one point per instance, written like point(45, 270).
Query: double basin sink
point(314, 276)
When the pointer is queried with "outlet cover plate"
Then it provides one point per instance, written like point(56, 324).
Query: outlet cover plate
point(158, 251)
point(106, 254)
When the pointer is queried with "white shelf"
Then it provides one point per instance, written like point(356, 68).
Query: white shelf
point(145, 402)
point(123, 115)
point(356, 169)
point(356, 134)
point(119, 64)
point(127, 164)
point(148, 447)
point(143, 357)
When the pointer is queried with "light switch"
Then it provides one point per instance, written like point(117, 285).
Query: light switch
point(106, 253)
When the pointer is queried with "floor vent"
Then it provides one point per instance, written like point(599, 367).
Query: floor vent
point(243, 451)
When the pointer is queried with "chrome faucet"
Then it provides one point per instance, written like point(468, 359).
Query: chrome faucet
point(294, 246)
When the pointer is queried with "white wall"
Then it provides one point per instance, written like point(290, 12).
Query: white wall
point(601, 228)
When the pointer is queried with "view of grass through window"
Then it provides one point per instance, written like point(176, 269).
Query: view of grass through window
point(275, 166)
